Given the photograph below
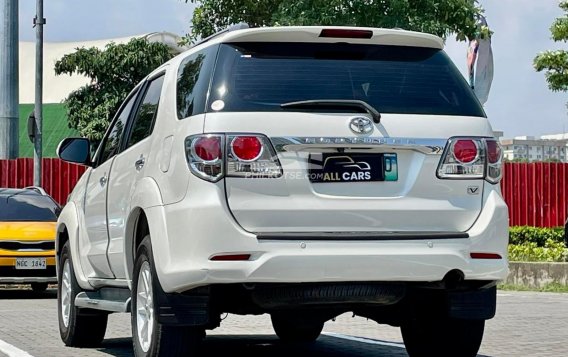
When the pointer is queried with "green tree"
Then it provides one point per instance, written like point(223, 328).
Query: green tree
point(555, 63)
point(440, 17)
point(113, 71)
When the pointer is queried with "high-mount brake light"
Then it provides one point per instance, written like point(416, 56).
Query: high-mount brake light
point(471, 158)
point(346, 33)
point(213, 156)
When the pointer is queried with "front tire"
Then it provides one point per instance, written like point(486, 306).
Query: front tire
point(294, 330)
point(78, 328)
point(149, 336)
point(443, 337)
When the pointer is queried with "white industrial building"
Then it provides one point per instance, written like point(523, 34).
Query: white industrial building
point(530, 148)
point(57, 88)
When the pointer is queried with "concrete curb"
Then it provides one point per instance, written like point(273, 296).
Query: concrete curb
point(537, 274)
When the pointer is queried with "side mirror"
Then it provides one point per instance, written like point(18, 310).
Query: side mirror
point(75, 150)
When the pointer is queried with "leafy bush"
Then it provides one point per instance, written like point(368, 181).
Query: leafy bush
point(540, 236)
point(552, 251)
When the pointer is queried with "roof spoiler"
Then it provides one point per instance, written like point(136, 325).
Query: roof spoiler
point(239, 26)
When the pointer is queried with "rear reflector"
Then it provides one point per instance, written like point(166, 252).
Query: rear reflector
point(485, 256)
point(230, 257)
point(344, 33)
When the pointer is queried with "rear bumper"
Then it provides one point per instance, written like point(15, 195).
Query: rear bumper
point(10, 275)
point(384, 302)
point(202, 227)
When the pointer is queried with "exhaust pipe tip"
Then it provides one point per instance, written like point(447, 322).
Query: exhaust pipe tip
point(453, 278)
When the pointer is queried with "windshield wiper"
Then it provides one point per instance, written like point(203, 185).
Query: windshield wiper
point(335, 104)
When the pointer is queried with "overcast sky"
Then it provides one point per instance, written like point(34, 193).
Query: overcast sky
point(519, 104)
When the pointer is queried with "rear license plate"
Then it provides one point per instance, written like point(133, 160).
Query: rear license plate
point(31, 263)
point(353, 167)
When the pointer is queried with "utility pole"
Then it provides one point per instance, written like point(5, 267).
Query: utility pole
point(9, 102)
point(39, 21)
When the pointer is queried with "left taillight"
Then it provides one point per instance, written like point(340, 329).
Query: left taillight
point(213, 156)
point(204, 154)
point(471, 158)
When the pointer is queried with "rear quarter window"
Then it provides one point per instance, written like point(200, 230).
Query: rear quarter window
point(394, 79)
point(193, 80)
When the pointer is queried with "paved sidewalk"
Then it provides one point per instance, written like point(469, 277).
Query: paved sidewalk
point(527, 324)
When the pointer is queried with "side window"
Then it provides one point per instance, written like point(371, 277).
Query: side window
point(143, 122)
point(111, 144)
point(194, 76)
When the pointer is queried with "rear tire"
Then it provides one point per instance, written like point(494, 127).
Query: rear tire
point(39, 287)
point(153, 338)
point(444, 337)
point(294, 330)
point(77, 327)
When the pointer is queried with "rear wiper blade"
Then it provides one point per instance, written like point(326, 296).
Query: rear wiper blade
point(335, 104)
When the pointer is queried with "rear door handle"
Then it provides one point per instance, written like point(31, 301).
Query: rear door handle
point(103, 180)
point(139, 164)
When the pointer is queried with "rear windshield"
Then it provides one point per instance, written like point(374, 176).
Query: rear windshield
point(257, 76)
point(22, 207)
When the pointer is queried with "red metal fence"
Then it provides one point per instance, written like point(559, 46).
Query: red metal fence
point(58, 177)
point(536, 193)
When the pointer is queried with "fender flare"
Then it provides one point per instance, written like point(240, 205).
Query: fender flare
point(146, 195)
point(68, 220)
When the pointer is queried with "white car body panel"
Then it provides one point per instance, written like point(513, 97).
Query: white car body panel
point(417, 201)
point(93, 242)
point(191, 220)
point(122, 185)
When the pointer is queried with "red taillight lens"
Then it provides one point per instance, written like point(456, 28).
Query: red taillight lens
point(493, 151)
point(208, 148)
point(246, 148)
point(345, 33)
point(465, 151)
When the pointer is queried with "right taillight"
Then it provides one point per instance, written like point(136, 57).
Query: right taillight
point(471, 158)
point(494, 161)
point(213, 156)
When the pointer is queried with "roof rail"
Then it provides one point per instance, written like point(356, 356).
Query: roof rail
point(37, 189)
point(239, 26)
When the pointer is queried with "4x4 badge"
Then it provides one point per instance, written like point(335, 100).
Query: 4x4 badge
point(361, 125)
point(473, 190)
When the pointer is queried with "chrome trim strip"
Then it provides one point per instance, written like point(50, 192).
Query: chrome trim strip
point(372, 144)
point(94, 302)
point(359, 236)
point(101, 282)
point(27, 280)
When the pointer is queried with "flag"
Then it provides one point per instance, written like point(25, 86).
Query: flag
point(480, 64)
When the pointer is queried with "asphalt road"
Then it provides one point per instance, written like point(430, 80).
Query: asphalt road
point(527, 324)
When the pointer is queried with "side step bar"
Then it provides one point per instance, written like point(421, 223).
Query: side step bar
point(107, 299)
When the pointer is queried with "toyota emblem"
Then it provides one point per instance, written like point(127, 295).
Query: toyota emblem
point(361, 125)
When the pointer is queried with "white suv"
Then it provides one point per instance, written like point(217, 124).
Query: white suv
point(301, 172)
